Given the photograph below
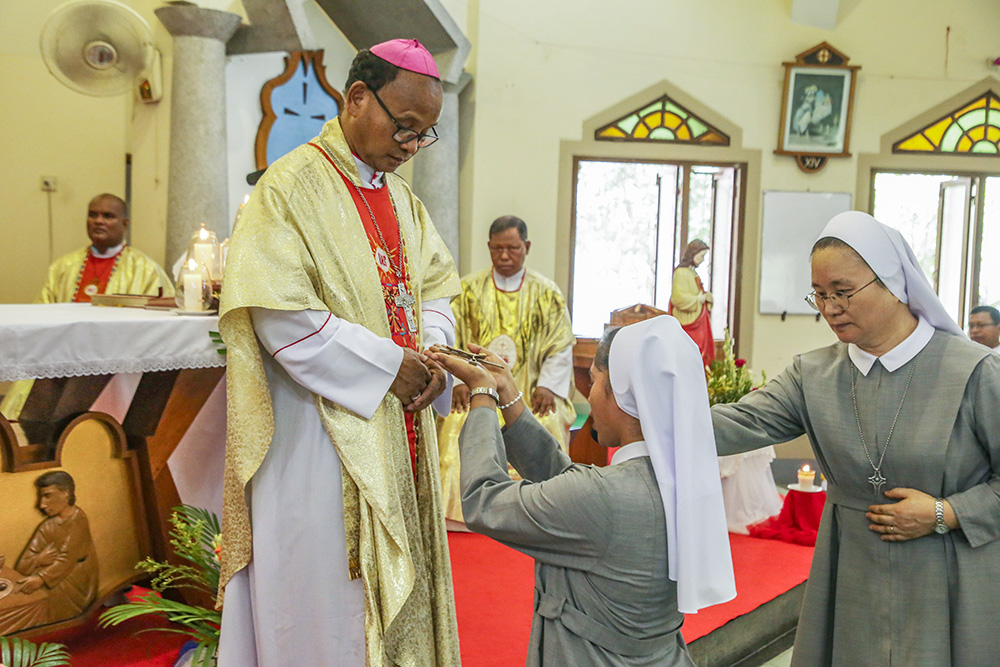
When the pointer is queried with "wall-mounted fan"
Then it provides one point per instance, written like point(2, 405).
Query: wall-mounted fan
point(102, 48)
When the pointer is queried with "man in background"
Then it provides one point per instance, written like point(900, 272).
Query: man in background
point(984, 327)
point(108, 265)
point(521, 316)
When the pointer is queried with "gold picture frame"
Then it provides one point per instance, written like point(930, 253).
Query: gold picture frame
point(817, 107)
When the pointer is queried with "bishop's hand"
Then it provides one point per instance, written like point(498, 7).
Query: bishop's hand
point(438, 383)
point(412, 377)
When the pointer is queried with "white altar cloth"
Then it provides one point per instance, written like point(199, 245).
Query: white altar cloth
point(72, 339)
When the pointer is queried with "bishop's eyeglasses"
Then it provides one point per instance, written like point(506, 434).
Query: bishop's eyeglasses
point(405, 135)
point(839, 300)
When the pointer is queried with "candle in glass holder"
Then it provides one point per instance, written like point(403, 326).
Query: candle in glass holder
point(204, 249)
point(193, 286)
point(806, 477)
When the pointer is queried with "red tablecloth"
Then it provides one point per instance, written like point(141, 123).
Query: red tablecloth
point(798, 521)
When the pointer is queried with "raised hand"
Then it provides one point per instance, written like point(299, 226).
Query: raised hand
point(437, 384)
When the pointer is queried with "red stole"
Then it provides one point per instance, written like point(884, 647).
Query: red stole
point(96, 272)
point(385, 215)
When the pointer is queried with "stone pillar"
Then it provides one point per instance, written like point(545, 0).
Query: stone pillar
point(197, 188)
point(435, 170)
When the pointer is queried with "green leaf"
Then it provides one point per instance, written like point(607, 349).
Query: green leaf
point(17, 652)
point(204, 654)
point(193, 540)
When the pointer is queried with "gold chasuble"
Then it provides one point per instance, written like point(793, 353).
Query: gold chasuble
point(301, 245)
point(525, 327)
point(134, 272)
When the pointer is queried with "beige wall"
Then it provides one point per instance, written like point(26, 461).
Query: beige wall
point(542, 69)
point(50, 130)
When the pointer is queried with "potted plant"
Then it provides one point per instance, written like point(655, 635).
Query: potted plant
point(196, 538)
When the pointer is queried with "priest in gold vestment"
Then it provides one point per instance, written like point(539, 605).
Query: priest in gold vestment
point(334, 550)
point(521, 315)
point(107, 266)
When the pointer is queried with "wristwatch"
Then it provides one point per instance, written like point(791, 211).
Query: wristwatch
point(489, 391)
point(940, 527)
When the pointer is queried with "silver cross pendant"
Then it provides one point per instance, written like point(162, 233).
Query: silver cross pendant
point(877, 481)
point(406, 301)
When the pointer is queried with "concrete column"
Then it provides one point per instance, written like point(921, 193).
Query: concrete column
point(197, 191)
point(435, 170)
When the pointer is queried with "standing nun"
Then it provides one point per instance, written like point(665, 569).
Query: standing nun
point(621, 552)
point(902, 415)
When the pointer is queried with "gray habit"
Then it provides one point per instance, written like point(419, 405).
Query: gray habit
point(931, 601)
point(598, 537)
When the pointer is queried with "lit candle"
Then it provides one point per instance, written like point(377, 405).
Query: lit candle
point(193, 286)
point(202, 250)
point(806, 477)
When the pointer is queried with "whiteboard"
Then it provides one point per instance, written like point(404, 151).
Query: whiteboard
point(792, 223)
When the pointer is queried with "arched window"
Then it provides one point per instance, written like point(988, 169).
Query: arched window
point(937, 180)
point(654, 172)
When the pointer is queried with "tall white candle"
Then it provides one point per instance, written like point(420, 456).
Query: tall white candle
point(203, 255)
point(192, 291)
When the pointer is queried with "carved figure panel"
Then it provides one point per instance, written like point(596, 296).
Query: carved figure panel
point(58, 569)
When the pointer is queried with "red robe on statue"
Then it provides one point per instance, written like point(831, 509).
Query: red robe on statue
point(701, 333)
point(700, 329)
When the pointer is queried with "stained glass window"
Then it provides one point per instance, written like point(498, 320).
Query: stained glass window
point(973, 129)
point(663, 120)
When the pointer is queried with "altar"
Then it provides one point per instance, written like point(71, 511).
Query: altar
point(130, 404)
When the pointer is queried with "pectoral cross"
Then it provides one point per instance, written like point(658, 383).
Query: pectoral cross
point(406, 301)
point(877, 481)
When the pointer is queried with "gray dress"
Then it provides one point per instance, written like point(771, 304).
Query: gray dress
point(598, 537)
point(930, 601)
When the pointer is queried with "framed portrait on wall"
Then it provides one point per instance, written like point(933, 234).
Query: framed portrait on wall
point(817, 103)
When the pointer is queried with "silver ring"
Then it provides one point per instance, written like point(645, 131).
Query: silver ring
point(892, 529)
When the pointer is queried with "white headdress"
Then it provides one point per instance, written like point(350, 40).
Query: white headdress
point(893, 261)
point(657, 376)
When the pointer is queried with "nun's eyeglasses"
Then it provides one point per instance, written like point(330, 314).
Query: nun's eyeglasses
point(839, 300)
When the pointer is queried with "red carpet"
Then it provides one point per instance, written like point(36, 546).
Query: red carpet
point(124, 645)
point(493, 595)
point(494, 588)
point(764, 570)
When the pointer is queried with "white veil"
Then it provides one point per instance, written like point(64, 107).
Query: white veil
point(893, 261)
point(658, 377)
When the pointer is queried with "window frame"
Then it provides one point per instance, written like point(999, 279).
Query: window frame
point(972, 244)
point(734, 314)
